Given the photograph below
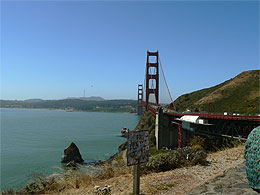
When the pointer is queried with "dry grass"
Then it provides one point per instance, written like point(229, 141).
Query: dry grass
point(119, 177)
point(177, 181)
point(82, 183)
point(216, 95)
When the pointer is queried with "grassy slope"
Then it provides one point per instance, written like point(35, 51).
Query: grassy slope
point(147, 122)
point(227, 96)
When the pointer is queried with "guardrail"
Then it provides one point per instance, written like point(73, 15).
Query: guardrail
point(256, 118)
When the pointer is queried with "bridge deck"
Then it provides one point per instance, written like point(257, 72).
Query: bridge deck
point(153, 109)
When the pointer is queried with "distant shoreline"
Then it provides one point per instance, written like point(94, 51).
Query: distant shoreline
point(66, 110)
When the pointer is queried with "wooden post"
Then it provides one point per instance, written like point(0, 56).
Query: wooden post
point(136, 180)
point(137, 153)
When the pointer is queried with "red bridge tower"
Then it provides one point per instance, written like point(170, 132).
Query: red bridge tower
point(152, 77)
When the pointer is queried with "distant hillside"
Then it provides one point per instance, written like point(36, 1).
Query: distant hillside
point(74, 105)
point(228, 96)
point(33, 100)
point(91, 98)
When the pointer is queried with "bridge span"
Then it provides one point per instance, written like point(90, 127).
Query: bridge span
point(174, 129)
point(242, 117)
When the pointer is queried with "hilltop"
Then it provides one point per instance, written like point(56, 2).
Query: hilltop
point(229, 96)
point(91, 98)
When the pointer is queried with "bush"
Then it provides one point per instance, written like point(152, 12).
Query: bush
point(153, 151)
point(34, 188)
point(198, 142)
point(212, 144)
point(186, 156)
point(161, 162)
point(147, 122)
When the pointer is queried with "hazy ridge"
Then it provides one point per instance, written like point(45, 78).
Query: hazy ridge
point(92, 104)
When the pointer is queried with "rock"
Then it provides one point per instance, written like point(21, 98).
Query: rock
point(102, 191)
point(71, 153)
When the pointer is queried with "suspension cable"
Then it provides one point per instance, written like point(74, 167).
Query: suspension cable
point(166, 83)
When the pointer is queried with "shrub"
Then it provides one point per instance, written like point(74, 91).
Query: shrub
point(219, 143)
point(153, 151)
point(212, 144)
point(147, 122)
point(189, 156)
point(198, 142)
point(186, 156)
point(160, 162)
point(34, 188)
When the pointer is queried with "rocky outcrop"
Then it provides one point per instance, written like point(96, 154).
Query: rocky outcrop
point(71, 154)
point(102, 190)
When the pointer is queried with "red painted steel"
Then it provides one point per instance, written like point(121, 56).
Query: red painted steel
point(210, 116)
point(152, 110)
point(218, 116)
point(149, 76)
point(179, 135)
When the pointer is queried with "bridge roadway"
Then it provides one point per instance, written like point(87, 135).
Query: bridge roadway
point(256, 118)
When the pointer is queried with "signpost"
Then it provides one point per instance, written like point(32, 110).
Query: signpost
point(137, 153)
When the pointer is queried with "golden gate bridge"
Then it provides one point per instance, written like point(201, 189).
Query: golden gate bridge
point(174, 128)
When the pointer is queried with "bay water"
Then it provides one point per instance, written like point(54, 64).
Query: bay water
point(33, 141)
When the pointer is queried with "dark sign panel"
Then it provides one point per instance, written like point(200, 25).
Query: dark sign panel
point(137, 147)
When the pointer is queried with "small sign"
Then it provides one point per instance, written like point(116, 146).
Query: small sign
point(137, 147)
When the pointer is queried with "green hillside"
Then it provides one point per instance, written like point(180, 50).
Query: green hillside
point(229, 96)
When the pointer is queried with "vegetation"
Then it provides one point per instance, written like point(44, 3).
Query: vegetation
point(72, 178)
point(153, 151)
point(186, 156)
point(212, 144)
point(229, 96)
point(75, 105)
point(147, 122)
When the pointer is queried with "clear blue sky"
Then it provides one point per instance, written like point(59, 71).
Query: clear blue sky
point(56, 49)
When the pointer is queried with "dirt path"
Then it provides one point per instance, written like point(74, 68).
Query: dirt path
point(232, 181)
point(177, 181)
